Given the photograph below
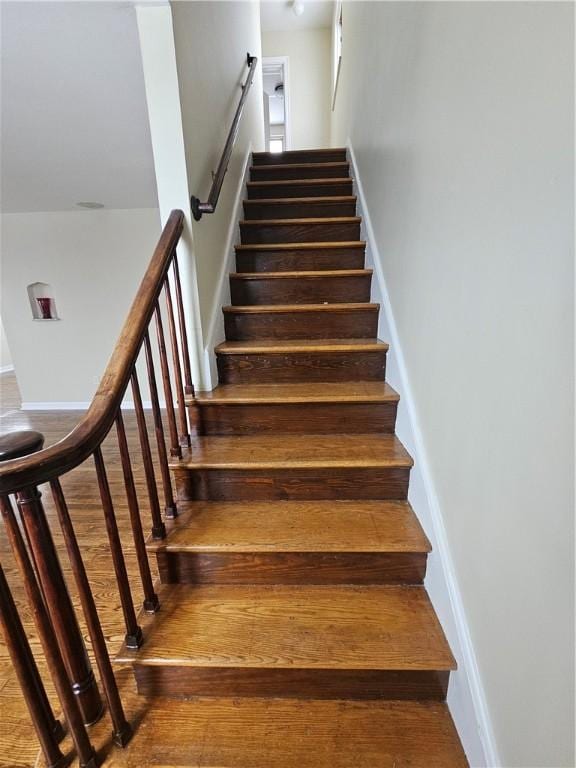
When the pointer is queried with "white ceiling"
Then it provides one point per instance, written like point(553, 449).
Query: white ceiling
point(277, 15)
point(74, 124)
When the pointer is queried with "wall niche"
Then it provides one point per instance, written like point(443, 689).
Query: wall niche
point(42, 301)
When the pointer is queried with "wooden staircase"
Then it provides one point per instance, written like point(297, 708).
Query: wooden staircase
point(295, 629)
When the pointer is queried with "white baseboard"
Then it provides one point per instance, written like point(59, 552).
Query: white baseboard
point(6, 369)
point(466, 697)
point(222, 294)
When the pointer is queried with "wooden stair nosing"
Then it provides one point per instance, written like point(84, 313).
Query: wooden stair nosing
point(309, 274)
point(270, 201)
point(308, 246)
point(283, 347)
point(301, 166)
point(298, 452)
point(280, 394)
point(258, 309)
point(329, 180)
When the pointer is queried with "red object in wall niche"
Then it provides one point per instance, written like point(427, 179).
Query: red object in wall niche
point(45, 308)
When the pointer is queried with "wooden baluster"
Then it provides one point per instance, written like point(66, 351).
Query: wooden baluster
point(134, 638)
point(59, 604)
point(182, 416)
point(158, 527)
point(175, 449)
point(151, 603)
point(170, 506)
point(188, 386)
point(122, 729)
point(48, 729)
point(70, 702)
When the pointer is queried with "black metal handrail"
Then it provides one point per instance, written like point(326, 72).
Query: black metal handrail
point(209, 206)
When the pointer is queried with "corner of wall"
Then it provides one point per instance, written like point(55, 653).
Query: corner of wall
point(215, 332)
point(466, 698)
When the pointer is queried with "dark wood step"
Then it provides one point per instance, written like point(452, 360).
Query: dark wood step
point(341, 286)
point(300, 208)
point(300, 230)
point(277, 361)
point(319, 642)
point(244, 409)
point(301, 321)
point(299, 171)
point(294, 257)
point(331, 155)
point(291, 542)
point(259, 190)
point(299, 467)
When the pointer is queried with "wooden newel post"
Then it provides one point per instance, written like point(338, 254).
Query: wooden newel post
point(52, 583)
point(48, 729)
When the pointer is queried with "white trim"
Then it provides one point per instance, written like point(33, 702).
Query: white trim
point(6, 369)
point(215, 332)
point(72, 405)
point(283, 61)
point(466, 697)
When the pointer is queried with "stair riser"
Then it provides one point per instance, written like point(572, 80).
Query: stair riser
point(299, 210)
point(303, 156)
point(288, 418)
point(298, 484)
point(300, 190)
point(291, 568)
point(289, 171)
point(300, 260)
point(301, 366)
point(361, 684)
point(351, 324)
point(261, 234)
point(352, 289)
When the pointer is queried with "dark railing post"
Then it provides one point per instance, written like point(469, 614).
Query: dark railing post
point(169, 503)
point(175, 449)
point(122, 729)
point(48, 729)
point(59, 604)
point(133, 636)
point(188, 386)
point(182, 413)
point(70, 702)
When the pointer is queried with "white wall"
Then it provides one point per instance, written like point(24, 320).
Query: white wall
point(212, 40)
point(5, 354)
point(308, 51)
point(461, 119)
point(94, 261)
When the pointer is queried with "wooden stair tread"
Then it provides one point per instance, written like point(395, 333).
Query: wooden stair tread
point(285, 627)
point(300, 275)
point(255, 309)
point(299, 451)
point(287, 346)
point(328, 180)
point(303, 200)
point(300, 246)
point(313, 392)
point(297, 222)
point(293, 166)
point(288, 153)
point(286, 733)
point(294, 526)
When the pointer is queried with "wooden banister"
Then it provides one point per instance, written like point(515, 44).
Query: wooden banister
point(78, 445)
